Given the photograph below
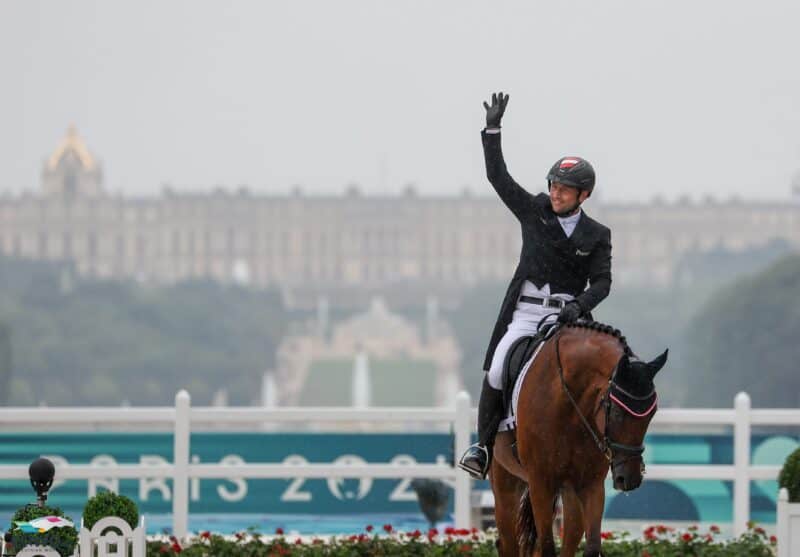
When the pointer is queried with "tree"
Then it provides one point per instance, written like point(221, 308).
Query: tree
point(746, 339)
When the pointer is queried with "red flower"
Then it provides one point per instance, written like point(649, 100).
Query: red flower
point(449, 530)
point(773, 540)
point(205, 535)
point(316, 541)
point(176, 547)
point(369, 528)
point(387, 528)
point(761, 531)
point(687, 537)
point(415, 534)
point(298, 541)
point(279, 531)
point(465, 548)
point(607, 535)
point(714, 529)
point(474, 530)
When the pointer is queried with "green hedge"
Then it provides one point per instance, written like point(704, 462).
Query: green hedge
point(108, 503)
point(790, 476)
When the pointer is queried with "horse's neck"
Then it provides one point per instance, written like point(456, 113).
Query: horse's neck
point(587, 367)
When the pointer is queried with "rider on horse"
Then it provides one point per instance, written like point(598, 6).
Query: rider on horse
point(562, 250)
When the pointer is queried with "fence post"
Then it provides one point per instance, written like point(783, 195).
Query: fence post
point(463, 429)
point(180, 480)
point(741, 464)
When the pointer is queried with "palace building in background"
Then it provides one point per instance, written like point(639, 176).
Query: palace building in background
point(344, 247)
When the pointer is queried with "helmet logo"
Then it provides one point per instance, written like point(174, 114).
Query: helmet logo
point(568, 163)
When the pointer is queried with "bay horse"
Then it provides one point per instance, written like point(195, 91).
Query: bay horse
point(584, 407)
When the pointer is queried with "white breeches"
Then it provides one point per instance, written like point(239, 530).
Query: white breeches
point(524, 322)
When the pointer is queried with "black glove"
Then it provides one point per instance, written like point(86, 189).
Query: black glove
point(570, 313)
point(495, 112)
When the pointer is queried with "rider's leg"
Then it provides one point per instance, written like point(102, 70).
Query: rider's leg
point(477, 458)
point(490, 412)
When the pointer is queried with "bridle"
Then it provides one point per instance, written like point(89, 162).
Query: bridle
point(615, 453)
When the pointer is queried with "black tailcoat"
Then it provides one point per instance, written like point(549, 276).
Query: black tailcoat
point(548, 255)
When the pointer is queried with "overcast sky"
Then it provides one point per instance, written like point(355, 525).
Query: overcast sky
point(670, 97)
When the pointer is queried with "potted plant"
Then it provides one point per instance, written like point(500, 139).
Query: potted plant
point(789, 506)
point(110, 519)
point(63, 538)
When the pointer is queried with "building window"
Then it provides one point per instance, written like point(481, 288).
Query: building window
point(70, 184)
point(92, 245)
point(43, 244)
point(67, 245)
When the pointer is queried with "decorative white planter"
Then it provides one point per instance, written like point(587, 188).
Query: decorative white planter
point(788, 525)
point(108, 542)
point(38, 551)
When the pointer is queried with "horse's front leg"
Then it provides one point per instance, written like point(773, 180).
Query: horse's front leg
point(593, 498)
point(573, 522)
point(507, 490)
point(543, 498)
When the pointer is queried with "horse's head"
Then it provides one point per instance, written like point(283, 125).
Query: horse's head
point(631, 404)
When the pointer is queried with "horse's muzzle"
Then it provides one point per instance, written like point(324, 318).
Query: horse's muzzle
point(626, 477)
point(626, 483)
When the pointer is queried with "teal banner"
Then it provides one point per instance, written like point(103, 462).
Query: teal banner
point(705, 500)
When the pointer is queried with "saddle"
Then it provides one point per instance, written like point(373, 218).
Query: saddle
point(518, 355)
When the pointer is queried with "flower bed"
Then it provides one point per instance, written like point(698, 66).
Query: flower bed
point(656, 541)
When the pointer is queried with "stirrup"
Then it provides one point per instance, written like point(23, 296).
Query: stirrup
point(470, 468)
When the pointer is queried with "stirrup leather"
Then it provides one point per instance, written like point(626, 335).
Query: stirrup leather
point(471, 467)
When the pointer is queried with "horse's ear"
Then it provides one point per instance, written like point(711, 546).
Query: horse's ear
point(658, 363)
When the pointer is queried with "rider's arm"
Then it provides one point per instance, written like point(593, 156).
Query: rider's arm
point(599, 275)
point(513, 195)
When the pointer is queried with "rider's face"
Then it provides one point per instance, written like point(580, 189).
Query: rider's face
point(562, 197)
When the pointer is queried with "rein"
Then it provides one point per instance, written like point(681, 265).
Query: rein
point(606, 445)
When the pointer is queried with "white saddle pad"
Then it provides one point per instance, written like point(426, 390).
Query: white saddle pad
point(510, 421)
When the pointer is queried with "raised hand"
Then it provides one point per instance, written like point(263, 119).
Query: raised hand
point(495, 112)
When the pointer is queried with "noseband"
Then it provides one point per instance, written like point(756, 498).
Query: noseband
point(616, 395)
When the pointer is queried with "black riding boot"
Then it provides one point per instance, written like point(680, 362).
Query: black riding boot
point(477, 458)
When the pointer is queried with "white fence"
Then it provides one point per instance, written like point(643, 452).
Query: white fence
point(460, 417)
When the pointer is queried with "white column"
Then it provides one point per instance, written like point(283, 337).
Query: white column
point(741, 464)
point(431, 317)
point(180, 480)
point(323, 316)
point(269, 393)
point(361, 394)
point(463, 483)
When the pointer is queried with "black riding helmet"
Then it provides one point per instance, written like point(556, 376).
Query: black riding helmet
point(572, 171)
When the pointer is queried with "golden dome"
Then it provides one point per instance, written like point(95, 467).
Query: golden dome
point(72, 143)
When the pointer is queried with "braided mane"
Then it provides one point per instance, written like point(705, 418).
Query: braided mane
point(605, 329)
